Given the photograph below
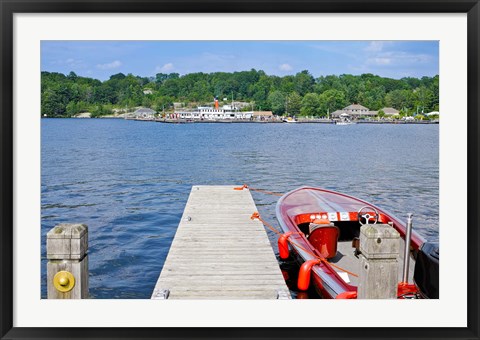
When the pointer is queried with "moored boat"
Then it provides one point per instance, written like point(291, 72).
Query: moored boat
point(215, 113)
point(322, 228)
point(344, 120)
point(345, 123)
point(289, 120)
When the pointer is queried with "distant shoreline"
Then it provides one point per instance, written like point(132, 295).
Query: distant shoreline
point(239, 121)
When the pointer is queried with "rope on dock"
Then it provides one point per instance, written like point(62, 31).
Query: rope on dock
point(259, 190)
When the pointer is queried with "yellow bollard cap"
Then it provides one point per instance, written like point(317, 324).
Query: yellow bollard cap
point(64, 281)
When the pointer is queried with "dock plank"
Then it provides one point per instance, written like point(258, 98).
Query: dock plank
point(219, 252)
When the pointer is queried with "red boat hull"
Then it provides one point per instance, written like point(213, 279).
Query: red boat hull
point(305, 205)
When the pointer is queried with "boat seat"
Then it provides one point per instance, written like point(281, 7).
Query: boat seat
point(324, 237)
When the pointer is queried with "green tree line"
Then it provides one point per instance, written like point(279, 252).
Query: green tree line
point(299, 94)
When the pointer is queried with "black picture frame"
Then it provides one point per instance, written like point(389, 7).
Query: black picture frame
point(10, 7)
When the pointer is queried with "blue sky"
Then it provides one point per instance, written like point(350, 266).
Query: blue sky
point(101, 59)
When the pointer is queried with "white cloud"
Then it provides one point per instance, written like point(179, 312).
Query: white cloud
point(207, 56)
point(109, 66)
point(375, 46)
point(165, 68)
point(380, 61)
point(285, 67)
point(398, 59)
point(414, 58)
point(70, 62)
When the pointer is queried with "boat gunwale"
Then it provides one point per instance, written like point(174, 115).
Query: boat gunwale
point(324, 271)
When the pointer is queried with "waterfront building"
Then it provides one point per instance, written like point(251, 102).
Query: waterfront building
point(262, 115)
point(390, 111)
point(356, 110)
point(144, 113)
point(337, 113)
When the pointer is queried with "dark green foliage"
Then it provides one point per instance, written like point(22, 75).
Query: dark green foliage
point(294, 104)
point(331, 100)
point(277, 102)
point(311, 105)
point(68, 95)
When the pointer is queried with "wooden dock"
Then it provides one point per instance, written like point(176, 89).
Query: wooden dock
point(219, 252)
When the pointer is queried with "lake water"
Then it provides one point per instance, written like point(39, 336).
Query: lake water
point(129, 180)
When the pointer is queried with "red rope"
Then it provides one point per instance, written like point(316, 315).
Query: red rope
point(259, 190)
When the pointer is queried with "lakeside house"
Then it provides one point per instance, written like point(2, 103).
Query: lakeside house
point(336, 113)
point(144, 113)
point(356, 110)
point(262, 115)
point(390, 111)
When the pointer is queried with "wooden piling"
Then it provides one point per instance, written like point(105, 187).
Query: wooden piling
point(67, 267)
point(378, 274)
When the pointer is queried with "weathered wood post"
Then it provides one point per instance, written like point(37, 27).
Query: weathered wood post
point(379, 247)
point(67, 267)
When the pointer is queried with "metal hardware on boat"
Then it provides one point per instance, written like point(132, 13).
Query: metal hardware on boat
point(188, 218)
point(406, 254)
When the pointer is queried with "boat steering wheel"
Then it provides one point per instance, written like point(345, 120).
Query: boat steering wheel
point(367, 215)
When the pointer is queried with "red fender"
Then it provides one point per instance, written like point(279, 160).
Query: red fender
point(405, 288)
point(304, 274)
point(283, 245)
point(347, 295)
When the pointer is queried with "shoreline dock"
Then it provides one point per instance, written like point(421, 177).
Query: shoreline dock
point(219, 252)
point(306, 121)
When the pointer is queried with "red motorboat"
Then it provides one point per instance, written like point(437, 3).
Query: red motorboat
point(321, 231)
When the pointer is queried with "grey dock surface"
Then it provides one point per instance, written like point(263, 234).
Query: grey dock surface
point(219, 252)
